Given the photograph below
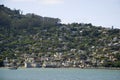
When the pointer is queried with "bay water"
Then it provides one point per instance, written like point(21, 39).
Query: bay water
point(59, 74)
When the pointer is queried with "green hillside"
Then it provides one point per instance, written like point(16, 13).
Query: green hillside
point(46, 37)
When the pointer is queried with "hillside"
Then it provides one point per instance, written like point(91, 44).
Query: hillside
point(73, 44)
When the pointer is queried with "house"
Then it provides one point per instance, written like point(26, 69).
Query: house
point(10, 63)
point(31, 63)
point(50, 64)
point(6, 62)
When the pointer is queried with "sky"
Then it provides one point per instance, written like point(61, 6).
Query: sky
point(104, 13)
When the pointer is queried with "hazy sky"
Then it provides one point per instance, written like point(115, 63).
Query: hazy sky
point(98, 12)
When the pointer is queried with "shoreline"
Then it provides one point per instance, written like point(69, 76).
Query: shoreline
point(106, 68)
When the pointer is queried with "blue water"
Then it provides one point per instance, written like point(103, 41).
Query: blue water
point(59, 74)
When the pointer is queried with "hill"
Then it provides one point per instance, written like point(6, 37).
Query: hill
point(74, 44)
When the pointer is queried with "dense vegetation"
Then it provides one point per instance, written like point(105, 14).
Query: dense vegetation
point(45, 36)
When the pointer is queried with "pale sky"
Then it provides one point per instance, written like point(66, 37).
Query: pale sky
point(104, 13)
